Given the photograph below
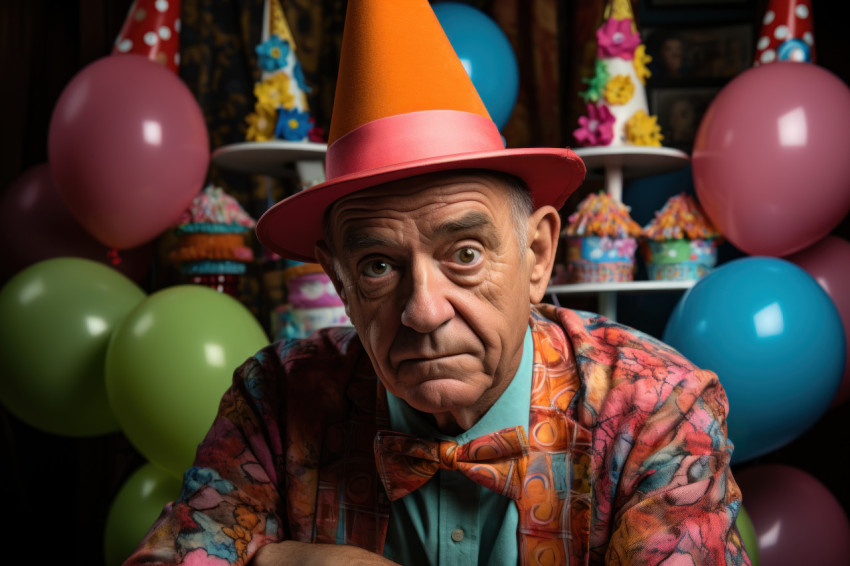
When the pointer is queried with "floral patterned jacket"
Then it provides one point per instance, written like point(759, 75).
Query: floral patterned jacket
point(630, 440)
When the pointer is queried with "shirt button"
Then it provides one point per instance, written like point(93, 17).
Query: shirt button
point(457, 535)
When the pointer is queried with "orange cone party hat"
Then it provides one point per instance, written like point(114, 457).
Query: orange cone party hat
point(152, 29)
point(787, 33)
point(405, 106)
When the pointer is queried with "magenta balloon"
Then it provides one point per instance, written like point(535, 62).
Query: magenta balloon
point(796, 518)
point(828, 261)
point(35, 225)
point(128, 148)
point(770, 160)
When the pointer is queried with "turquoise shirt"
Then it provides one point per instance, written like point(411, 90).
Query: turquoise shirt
point(451, 519)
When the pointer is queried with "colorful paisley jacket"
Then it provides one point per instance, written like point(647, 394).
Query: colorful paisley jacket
point(629, 460)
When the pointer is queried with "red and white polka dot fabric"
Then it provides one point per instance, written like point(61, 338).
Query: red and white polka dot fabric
point(152, 29)
point(787, 33)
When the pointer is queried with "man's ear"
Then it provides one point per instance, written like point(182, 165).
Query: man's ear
point(323, 256)
point(544, 227)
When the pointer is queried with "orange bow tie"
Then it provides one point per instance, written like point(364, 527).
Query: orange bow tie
point(496, 461)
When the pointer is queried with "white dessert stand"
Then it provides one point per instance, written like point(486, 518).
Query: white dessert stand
point(617, 164)
point(270, 158)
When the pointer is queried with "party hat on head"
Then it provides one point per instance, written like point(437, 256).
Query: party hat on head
point(405, 106)
point(152, 29)
point(787, 33)
point(281, 110)
point(617, 110)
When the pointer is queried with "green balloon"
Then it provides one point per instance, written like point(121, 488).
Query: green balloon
point(168, 365)
point(56, 318)
point(136, 507)
point(748, 535)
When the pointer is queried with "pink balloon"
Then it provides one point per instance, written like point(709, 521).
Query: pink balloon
point(36, 225)
point(796, 518)
point(128, 148)
point(828, 261)
point(770, 159)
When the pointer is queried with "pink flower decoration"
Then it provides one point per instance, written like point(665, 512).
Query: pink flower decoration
point(597, 128)
point(616, 39)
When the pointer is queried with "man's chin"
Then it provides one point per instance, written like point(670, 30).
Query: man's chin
point(442, 394)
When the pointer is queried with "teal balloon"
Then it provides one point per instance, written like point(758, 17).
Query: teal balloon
point(776, 341)
point(56, 318)
point(486, 54)
point(136, 507)
point(168, 365)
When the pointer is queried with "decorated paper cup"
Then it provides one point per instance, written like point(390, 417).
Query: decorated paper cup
point(680, 260)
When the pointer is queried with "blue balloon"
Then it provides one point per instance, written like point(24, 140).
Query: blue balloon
point(486, 54)
point(775, 339)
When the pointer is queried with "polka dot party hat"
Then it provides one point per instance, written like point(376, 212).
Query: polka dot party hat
point(152, 29)
point(787, 33)
point(281, 110)
point(404, 106)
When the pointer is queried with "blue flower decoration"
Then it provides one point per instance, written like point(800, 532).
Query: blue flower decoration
point(272, 53)
point(298, 73)
point(795, 50)
point(292, 124)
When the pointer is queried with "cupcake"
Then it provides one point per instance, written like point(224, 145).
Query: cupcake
point(601, 241)
point(680, 243)
point(211, 246)
point(312, 302)
point(617, 109)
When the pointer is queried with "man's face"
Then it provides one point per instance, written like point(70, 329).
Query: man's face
point(437, 288)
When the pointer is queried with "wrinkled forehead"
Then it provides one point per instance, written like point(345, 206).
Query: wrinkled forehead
point(434, 184)
point(439, 194)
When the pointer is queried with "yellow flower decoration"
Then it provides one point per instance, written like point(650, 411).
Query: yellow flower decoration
point(273, 92)
point(643, 129)
point(640, 61)
point(619, 90)
point(261, 124)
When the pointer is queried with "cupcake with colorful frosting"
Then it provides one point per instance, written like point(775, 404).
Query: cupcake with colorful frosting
point(680, 243)
point(601, 241)
point(211, 246)
point(617, 110)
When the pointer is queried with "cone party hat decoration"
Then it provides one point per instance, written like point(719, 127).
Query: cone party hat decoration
point(405, 106)
point(617, 110)
point(787, 33)
point(152, 29)
point(281, 110)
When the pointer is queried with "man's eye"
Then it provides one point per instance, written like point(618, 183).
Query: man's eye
point(467, 255)
point(377, 268)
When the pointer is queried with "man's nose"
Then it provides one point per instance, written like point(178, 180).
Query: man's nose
point(428, 306)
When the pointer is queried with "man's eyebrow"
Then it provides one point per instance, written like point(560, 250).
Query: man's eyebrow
point(359, 239)
point(356, 240)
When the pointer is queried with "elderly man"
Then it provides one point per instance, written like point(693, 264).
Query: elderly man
point(462, 422)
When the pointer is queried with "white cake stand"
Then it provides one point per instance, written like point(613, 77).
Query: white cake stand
point(625, 162)
point(617, 164)
point(270, 158)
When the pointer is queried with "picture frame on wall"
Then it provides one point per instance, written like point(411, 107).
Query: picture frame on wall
point(706, 54)
point(679, 112)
